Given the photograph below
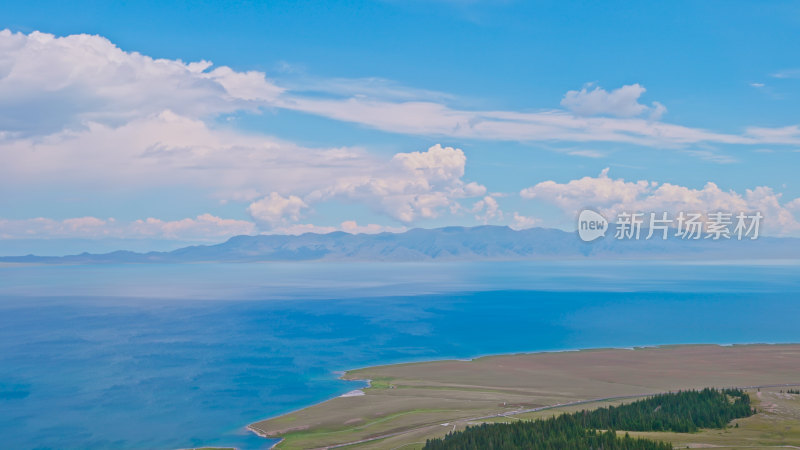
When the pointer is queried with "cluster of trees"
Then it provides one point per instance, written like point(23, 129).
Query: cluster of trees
point(565, 432)
point(793, 391)
point(680, 412)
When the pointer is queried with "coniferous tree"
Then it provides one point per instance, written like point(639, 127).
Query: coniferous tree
point(681, 412)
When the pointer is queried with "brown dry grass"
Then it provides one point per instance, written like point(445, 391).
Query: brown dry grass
point(416, 399)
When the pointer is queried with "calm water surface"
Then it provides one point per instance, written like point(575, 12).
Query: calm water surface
point(151, 356)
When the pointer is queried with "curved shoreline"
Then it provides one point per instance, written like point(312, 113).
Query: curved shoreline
point(370, 391)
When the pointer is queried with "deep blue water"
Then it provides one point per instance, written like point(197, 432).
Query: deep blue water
point(182, 356)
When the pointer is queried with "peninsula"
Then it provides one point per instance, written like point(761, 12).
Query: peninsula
point(406, 404)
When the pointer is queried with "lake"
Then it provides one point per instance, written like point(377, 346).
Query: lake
point(175, 356)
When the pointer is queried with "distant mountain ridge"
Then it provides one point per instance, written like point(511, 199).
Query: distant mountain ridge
point(449, 243)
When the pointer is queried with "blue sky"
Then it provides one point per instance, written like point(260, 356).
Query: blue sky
point(387, 115)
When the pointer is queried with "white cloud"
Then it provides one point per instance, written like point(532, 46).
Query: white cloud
point(613, 196)
point(656, 111)
point(410, 186)
point(487, 209)
point(587, 191)
point(621, 102)
point(275, 209)
point(48, 83)
point(434, 119)
point(787, 73)
point(370, 87)
point(145, 124)
point(78, 111)
point(437, 164)
point(793, 205)
point(587, 153)
point(204, 227)
point(473, 189)
point(521, 222)
point(713, 156)
point(783, 135)
point(170, 150)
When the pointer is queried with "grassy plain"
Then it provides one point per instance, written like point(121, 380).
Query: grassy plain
point(408, 403)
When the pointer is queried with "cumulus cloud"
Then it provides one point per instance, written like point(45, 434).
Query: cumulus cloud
point(275, 209)
point(410, 186)
point(621, 102)
point(436, 164)
point(205, 227)
point(171, 150)
point(487, 209)
point(521, 222)
point(78, 111)
point(167, 149)
point(587, 191)
point(48, 83)
point(613, 196)
point(145, 121)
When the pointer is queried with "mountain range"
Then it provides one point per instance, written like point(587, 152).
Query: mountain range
point(449, 243)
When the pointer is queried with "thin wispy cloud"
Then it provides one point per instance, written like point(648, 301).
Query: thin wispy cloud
point(116, 86)
point(787, 73)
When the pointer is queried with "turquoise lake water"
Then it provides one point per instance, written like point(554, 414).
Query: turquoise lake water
point(159, 356)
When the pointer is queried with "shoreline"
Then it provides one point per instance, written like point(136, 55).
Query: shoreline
point(259, 433)
point(263, 435)
point(343, 375)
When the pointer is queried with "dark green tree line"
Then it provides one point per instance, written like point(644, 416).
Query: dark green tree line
point(565, 432)
point(681, 412)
